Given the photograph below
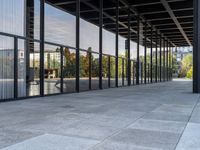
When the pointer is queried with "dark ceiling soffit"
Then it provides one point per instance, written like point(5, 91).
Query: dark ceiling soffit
point(124, 2)
point(171, 13)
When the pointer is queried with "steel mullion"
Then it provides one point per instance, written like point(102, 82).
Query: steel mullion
point(77, 44)
point(61, 67)
point(100, 42)
point(42, 29)
point(15, 68)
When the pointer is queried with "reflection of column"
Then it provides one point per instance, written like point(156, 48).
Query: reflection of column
point(29, 34)
point(48, 61)
point(29, 48)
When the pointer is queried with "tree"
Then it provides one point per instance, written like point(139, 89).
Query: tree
point(186, 65)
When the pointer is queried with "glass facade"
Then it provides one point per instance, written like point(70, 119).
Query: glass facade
point(66, 51)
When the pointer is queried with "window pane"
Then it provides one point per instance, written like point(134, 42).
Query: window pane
point(89, 36)
point(60, 26)
point(84, 71)
point(52, 69)
point(95, 71)
point(6, 67)
point(12, 16)
point(69, 70)
point(105, 73)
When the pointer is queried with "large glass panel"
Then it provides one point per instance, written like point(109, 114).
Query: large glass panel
point(112, 72)
point(21, 68)
point(95, 71)
point(89, 28)
point(6, 67)
point(52, 65)
point(122, 50)
point(133, 50)
point(35, 18)
point(108, 42)
point(12, 16)
point(28, 69)
point(141, 63)
point(69, 70)
point(125, 72)
point(132, 72)
point(120, 68)
point(60, 26)
point(89, 36)
point(84, 71)
point(105, 71)
point(33, 77)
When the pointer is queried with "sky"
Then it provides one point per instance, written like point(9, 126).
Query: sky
point(59, 28)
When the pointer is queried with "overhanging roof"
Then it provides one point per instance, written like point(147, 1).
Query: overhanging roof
point(173, 19)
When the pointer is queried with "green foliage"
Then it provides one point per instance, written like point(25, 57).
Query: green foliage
point(186, 65)
point(190, 73)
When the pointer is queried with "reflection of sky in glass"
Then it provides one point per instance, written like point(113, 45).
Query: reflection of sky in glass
point(60, 27)
point(12, 16)
point(108, 42)
point(89, 35)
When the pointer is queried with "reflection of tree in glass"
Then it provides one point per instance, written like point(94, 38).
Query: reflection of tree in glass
point(69, 67)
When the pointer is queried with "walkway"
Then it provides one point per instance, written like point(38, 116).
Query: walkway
point(151, 117)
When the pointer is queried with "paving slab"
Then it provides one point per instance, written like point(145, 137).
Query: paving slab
point(190, 139)
point(159, 125)
point(53, 142)
point(147, 138)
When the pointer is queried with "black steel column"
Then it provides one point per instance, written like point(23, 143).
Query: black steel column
point(90, 70)
point(116, 42)
point(123, 72)
point(15, 67)
point(61, 69)
point(129, 55)
point(109, 72)
point(145, 53)
point(100, 42)
point(42, 47)
point(151, 55)
point(156, 69)
point(77, 43)
point(138, 52)
point(196, 48)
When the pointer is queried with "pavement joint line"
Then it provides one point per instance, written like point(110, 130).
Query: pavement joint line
point(198, 100)
point(118, 131)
